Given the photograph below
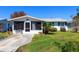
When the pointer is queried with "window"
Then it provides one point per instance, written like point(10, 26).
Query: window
point(52, 23)
point(58, 23)
point(65, 23)
point(61, 23)
point(36, 25)
point(18, 25)
point(55, 23)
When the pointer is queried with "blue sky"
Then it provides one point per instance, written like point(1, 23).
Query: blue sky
point(40, 11)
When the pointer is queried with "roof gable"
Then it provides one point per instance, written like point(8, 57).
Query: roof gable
point(18, 18)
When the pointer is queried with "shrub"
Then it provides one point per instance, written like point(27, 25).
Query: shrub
point(75, 30)
point(46, 27)
point(67, 46)
point(53, 29)
point(62, 29)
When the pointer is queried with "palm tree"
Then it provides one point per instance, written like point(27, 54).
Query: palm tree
point(46, 27)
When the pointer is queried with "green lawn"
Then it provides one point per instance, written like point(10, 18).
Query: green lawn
point(53, 42)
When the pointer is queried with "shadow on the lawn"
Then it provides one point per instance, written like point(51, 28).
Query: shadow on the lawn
point(50, 33)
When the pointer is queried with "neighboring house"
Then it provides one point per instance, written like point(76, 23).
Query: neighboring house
point(4, 25)
point(28, 24)
point(58, 23)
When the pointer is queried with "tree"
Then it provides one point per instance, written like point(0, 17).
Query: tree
point(46, 27)
point(14, 15)
point(18, 14)
point(75, 22)
point(21, 13)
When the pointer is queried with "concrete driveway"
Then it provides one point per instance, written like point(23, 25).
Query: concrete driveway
point(14, 42)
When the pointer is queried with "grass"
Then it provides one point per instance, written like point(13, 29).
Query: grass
point(3, 35)
point(53, 42)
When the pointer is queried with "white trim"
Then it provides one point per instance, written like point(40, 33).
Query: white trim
point(33, 31)
point(25, 26)
point(13, 26)
point(24, 17)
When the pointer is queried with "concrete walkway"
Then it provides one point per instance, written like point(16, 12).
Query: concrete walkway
point(14, 42)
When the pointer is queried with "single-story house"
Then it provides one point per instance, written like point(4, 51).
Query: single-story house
point(29, 24)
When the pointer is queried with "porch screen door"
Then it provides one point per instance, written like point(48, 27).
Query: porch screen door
point(27, 26)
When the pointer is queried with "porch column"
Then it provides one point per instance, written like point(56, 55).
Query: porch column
point(30, 25)
point(13, 26)
point(41, 25)
point(33, 25)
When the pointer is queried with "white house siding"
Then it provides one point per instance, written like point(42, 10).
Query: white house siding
point(66, 27)
point(58, 26)
point(33, 32)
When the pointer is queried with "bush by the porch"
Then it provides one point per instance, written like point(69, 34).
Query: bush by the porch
point(52, 29)
point(46, 27)
point(62, 29)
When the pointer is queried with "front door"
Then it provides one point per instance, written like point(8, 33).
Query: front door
point(27, 26)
